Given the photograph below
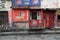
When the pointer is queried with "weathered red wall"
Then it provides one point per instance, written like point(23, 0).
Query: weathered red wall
point(24, 16)
point(34, 23)
point(48, 18)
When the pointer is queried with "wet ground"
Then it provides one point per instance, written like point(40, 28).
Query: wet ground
point(31, 37)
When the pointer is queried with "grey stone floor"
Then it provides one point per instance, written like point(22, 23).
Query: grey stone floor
point(32, 37)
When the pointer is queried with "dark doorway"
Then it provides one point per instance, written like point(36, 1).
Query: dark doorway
point(58, 17)
point(3, 18)
point(33, 15)
point(58, 20)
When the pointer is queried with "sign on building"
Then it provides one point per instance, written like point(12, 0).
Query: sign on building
point(26, 3)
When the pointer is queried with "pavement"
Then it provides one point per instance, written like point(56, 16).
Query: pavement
point(31, 37)
point(31, 32)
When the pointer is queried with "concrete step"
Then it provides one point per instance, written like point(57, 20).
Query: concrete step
point(31, 32)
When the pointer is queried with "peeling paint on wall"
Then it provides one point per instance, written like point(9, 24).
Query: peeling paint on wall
point(49, 4)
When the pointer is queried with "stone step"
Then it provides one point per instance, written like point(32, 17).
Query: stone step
point(33, 32)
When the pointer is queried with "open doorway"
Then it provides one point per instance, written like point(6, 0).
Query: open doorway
point(33, 15)
point(3, 18)
point(35, 18)
point(58, 17)
point(58, 20)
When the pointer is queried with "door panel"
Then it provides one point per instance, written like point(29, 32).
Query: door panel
point(35, 19)
point(49, 17)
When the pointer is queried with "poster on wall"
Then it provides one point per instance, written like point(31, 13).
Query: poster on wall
point(20, 15)
point(5, 6)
